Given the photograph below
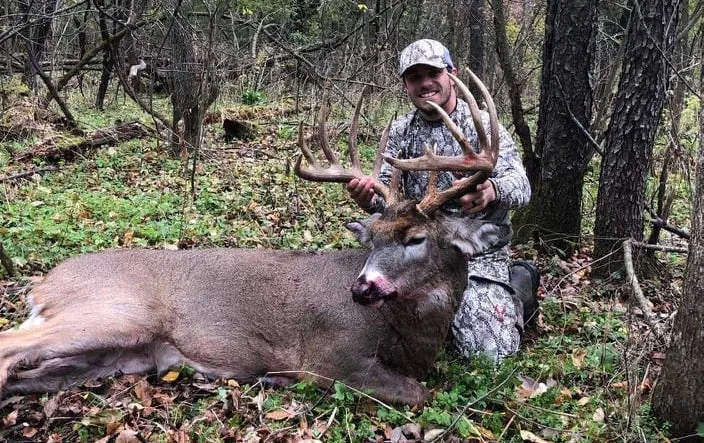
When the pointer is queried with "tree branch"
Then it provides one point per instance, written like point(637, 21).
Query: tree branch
point(637, 292)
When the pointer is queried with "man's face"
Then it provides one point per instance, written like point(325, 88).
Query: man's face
point(425, 83)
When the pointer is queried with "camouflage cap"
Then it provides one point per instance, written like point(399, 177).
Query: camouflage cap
point(425, 52)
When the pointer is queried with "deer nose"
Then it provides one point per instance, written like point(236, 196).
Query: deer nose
point(364, 291)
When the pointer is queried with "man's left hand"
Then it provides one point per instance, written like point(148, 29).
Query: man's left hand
point(473, 202)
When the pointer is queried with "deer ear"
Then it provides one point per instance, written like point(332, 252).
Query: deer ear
point(360, 229)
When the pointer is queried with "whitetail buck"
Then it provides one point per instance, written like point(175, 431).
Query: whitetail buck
point(243, 313)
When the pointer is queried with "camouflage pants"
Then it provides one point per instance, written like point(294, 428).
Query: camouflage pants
point(488, 320)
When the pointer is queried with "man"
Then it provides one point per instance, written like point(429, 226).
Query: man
point(499, 298)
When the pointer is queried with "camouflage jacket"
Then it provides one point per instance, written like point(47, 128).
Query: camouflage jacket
point(407, 139)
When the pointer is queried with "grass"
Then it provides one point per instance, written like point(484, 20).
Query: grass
point(584, 377)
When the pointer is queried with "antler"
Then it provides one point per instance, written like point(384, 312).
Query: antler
point(483, 163)
point(336, 173)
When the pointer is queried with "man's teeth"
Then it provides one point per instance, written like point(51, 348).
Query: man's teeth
point(427, 94)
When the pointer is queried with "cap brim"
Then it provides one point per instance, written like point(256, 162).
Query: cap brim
point(426, 63)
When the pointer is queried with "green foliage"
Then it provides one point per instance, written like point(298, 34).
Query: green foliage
point(252, 97)
point(13, 86)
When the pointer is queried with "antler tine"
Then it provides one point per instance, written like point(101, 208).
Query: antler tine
point(323, 134)
point(335, 173)
point(490, 148)
point(354, 128)
point(379, 155)
point(486, 159)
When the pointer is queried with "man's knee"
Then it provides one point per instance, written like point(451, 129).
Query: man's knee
point(486, 322)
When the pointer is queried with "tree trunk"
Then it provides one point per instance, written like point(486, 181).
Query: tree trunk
point(514, 88)
point(664, 194)
point(41, 12)
point(678, 396)
point(193, 85)
point(108, 60)
point(565, 96)
point(477, 50)
point(631, 133)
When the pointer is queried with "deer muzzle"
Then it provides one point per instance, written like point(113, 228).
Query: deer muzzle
point(367, 292)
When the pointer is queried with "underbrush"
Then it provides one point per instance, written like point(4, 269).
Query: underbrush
point(586, 375)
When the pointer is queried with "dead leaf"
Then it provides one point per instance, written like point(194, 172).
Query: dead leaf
point(10, 419)
point(529, 436)
point(127, 436)
point(578, 358)
point(598, 415)
point(29, 432)
point(144, 392)
point(279, 414)
point(530, 388)
point(433, 434)
point(52, 405)
point(171, 376)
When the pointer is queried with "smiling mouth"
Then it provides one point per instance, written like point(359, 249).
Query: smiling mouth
point(427, 95)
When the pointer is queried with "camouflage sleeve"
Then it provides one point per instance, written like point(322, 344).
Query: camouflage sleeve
point(509, 177)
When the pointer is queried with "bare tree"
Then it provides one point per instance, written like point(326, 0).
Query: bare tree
point(193, 78)
point(511, 78)
point(631, 133)
point(565, 112)
point(477, 50)
point(678, 398)
point(39, 14)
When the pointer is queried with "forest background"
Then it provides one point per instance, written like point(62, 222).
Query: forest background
point(173, 124)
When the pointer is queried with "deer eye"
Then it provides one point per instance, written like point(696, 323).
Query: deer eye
point(414, 241)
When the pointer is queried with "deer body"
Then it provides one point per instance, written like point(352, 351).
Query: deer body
point(239, 313)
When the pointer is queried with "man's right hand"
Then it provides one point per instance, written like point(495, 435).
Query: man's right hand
point(362, 191)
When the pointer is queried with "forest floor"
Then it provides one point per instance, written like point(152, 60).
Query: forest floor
point(586, 374)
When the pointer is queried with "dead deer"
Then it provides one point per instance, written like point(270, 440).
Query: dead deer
point(244, 313)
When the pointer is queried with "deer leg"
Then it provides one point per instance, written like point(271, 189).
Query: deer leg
point(61, 372)
point(387, 385)
point(60, 346)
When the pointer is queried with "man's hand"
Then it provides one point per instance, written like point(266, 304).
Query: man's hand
point(362, 191)
point(473, 202)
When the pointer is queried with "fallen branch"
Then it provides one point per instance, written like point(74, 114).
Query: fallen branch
point(62, 147)
point(637, 292)
point(659, 222)
point(662, 248)
point(27, 174)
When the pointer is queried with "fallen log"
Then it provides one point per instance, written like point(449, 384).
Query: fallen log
point(66, 146)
